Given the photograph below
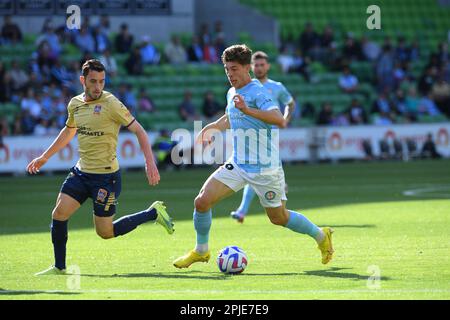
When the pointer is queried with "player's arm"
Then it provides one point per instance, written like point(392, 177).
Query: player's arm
point(150, 165)
point(272, 116)
point(289, 111)
point(63, 138)
point(207, 132)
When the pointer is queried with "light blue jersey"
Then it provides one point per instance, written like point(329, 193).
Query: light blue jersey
point(255, 143)
point(279, 93)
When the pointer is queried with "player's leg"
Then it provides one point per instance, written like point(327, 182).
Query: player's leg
point(273, 198)
point(70, 198)
point(221, 184)
point(212, 192)
point(247, 197)
point(105, 192)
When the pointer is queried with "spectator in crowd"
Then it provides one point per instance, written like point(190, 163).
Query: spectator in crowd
point(211, 108)
point(429, 148)
point(219, 48)
point(285, 60)
point(149, 52)
point(19, 77)
point(401, 74)
point(352, 51)
point(101, 40)
point(357, 113)
point(204, 35)
point(52, 40)
point(4, 128)
point(124, 40)
point(412, 105)
point(109, 62)
point(219, 33)
point(61, 74)
point(428, 107)
point(187, 109)
point(134, 63)
point(341, 119)
point(327, 37)
point(348, 82)
point(383, 119)
point(308, 39)
point(300, 64)
point(414, 50)
point(402, 52)
point(127, 96)
point(441, 95)
point(427, 80)
point(11, 32)
point(382, 104)
point(27, 123)
point(105, 25)
point(441, 56)
point(175, 52)
point(5, 84)
point(41, 128)
point(145, 103)
point(85, 41)
point(384, 68)
point(370, 49)
point(30, 103)
point(162, 147)
point(326, 116)
point(195, 51)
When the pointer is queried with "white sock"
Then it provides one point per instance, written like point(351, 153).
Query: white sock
point(201, 248)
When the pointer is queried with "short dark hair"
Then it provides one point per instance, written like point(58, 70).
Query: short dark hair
point(260, 55)
point(92, 64)
point(239, 53)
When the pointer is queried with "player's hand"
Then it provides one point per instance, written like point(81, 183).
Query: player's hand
point(36, 164)
point(239, 103)
point(152, 173)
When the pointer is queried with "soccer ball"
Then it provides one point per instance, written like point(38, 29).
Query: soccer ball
point(232, 260)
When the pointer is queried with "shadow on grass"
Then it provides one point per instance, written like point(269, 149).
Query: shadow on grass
point(351, 226)
point(169, 275)
point(335, 273)
point(5, 292)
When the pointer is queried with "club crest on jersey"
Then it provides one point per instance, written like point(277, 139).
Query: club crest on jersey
point(97, 109)
point(101, 196)
point(270, 195)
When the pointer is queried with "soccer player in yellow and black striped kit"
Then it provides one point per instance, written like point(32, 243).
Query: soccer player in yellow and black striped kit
point(97, 116)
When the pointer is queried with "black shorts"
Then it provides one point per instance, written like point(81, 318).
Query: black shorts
point(104, 189)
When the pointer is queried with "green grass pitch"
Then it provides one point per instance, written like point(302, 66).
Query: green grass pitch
point(391, 221)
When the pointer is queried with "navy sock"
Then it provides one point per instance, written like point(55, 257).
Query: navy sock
point(59, 240)
point(128, 223)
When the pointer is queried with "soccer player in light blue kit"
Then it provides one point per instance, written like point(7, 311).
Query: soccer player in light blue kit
point(251, 114)
point(260, 68)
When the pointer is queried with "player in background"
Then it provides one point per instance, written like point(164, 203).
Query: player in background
point(97, 115)
point(260, 68)
point(250, 110)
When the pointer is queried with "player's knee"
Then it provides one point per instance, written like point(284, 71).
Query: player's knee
point(58, 214)
point(202, 204)
point(278, 220)
point(105, 234)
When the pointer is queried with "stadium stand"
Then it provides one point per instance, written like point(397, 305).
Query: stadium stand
point(424, 22)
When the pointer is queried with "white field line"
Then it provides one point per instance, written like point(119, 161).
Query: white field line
point(429, 192)
point(203, 292)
